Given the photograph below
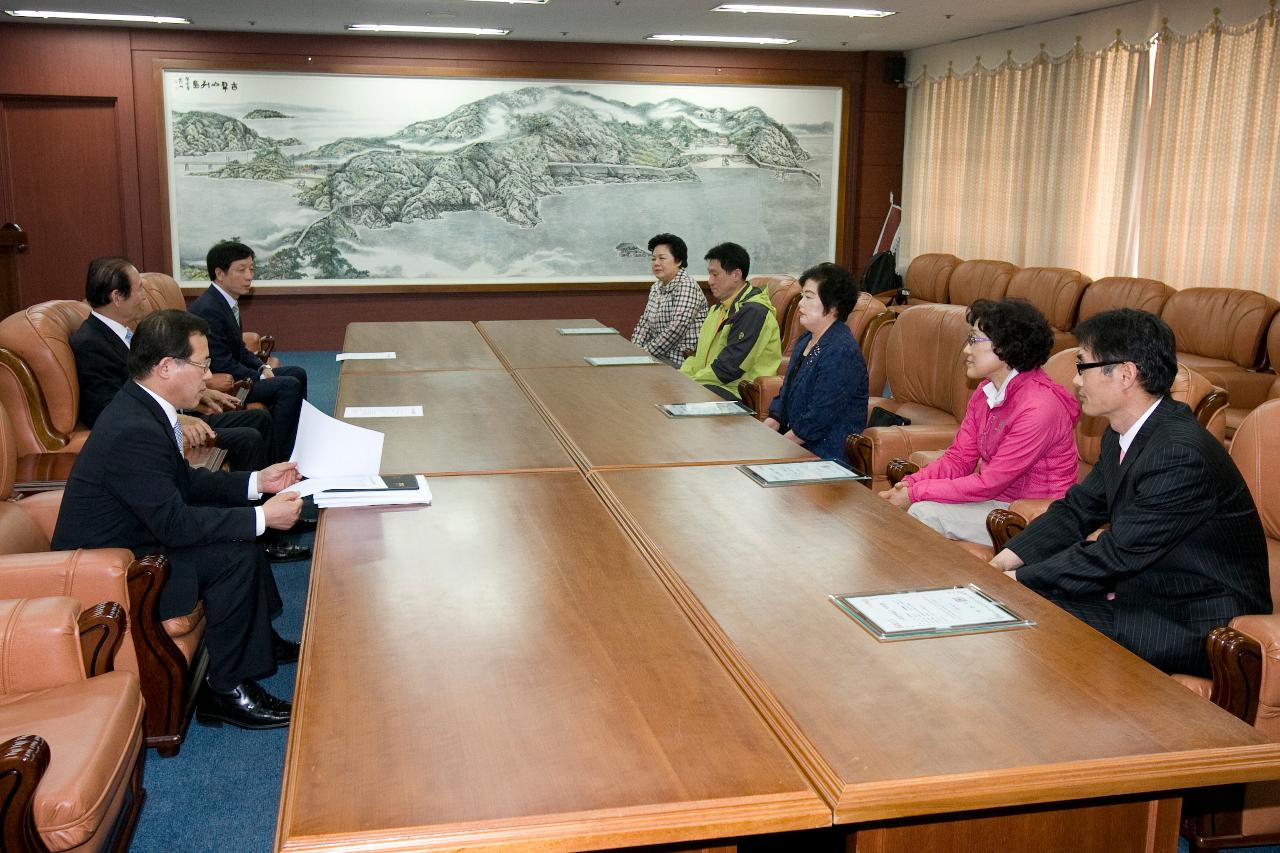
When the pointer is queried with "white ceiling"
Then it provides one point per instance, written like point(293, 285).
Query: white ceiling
point(918, 23)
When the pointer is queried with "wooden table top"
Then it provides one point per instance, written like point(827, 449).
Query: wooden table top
point(432, 345)
point(536, 343)
point(503, 669)
point(474, 421)
point(608, 414)
point(923, 726)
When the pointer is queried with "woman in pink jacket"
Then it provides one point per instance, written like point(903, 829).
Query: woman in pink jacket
point(1016, 439)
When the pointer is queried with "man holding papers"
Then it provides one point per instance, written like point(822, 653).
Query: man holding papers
point(131, 488)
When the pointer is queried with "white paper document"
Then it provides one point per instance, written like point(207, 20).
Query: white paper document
point(382, 412)
point(915, 613)
point(377, 496)
point(703, 410)
point(798, 472)
point(364, 356)
point(319, 484)
point(589, 330)
point(327, 447)
point(617, 360)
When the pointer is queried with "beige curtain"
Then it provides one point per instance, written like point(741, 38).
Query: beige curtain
point(1211, 189)
point(1030, 163)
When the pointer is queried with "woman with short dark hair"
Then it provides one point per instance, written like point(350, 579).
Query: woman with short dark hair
point(1017, 437)
point(824, 395)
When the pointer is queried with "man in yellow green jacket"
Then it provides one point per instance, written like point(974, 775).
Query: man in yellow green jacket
point(739, 339)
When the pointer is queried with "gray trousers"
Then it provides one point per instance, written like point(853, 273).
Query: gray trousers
point(966, 521)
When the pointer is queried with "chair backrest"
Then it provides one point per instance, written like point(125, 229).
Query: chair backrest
point(41, 337)
point(862, 316)
point(925, 360)
point(1256, 451)
point(1061, 368)
point(1105, 294)
point(1221, 322)
point(928, 276)
point(974, 280)
point(1056, 292)
point(18, 533)
point(162, 292)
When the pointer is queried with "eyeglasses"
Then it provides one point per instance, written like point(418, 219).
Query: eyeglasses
point(202, 365)
point(1081, 367)
point(974, 339)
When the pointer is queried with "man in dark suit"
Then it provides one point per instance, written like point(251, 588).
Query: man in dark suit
point(230, 266)
point(131, 488)
point(1185, 551)
point(101, 347)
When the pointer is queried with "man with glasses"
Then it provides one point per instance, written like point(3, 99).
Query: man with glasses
point(668, 328)
point(1184, 551)
point(131, 488)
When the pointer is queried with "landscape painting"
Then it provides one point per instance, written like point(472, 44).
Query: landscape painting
point(345, 179)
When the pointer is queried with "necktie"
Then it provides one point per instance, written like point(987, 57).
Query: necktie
point(1122, 455)
point(128, 337)
point(177, 436)
point(235, 310)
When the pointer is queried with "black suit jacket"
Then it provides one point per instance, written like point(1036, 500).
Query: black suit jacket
point(130, 488)
point(102, 366)
point(226, 343)
point(1185, 542)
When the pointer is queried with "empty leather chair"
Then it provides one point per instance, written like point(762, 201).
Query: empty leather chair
point(1221, 334)
point(38, 384)
point(926, 374)
point(1056, 292)
point(974, 280)
point(927, 280)
point(70, 729)
point(1105, 294)
point(168, 657)
point(1246, 661)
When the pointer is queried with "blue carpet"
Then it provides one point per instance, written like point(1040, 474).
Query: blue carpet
point(220, 794)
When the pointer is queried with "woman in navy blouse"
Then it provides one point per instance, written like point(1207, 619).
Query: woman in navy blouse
point(824, 396)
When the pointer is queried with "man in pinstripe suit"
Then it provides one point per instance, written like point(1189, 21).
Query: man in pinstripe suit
point(1184, 551)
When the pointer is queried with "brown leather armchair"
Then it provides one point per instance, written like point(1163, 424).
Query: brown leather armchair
point(1105, 294)
point(70, 729)
point(1221, 333)
point(865, 322)
point(38, 384)
point(168, 657)
point(1057, 293)
point(974, 280)
point(784, 293)
point(1245, 657)
point(926, 374)
point(163, 292)
point(927, 280)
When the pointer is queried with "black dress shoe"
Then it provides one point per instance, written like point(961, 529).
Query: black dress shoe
point(246, 706)
point(280, 551)
point(285, 651)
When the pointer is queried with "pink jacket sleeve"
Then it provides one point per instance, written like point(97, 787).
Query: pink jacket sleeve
point(962, 456)
point(1037, 424)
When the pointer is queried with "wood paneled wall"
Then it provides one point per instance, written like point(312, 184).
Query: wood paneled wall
point(94, 74)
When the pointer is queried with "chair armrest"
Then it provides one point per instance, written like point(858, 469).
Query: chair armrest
point(23, 761)
point(1003, 525)
point(758, 395)
point(102, 630)
point(871, 450)
point(899, 468)
point(39, 643)
point(42, 472)
point(1235, 659)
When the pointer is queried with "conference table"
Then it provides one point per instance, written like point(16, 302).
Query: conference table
point(629, 643)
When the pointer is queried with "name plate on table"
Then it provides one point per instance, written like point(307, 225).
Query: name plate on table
point(797, 473)
point(915, 613)
point(382, 412)
point(589, 330)
point(364, 356)
point(712, 409)
point(619, 360)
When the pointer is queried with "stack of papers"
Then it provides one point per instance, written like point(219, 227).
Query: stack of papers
point(341, 462)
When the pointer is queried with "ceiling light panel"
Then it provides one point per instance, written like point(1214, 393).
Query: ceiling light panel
point(723, 39)
point(406, 28)
point(802, 10)
point(95, 16)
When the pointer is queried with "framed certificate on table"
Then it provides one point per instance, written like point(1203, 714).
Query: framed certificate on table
point(913, 613)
